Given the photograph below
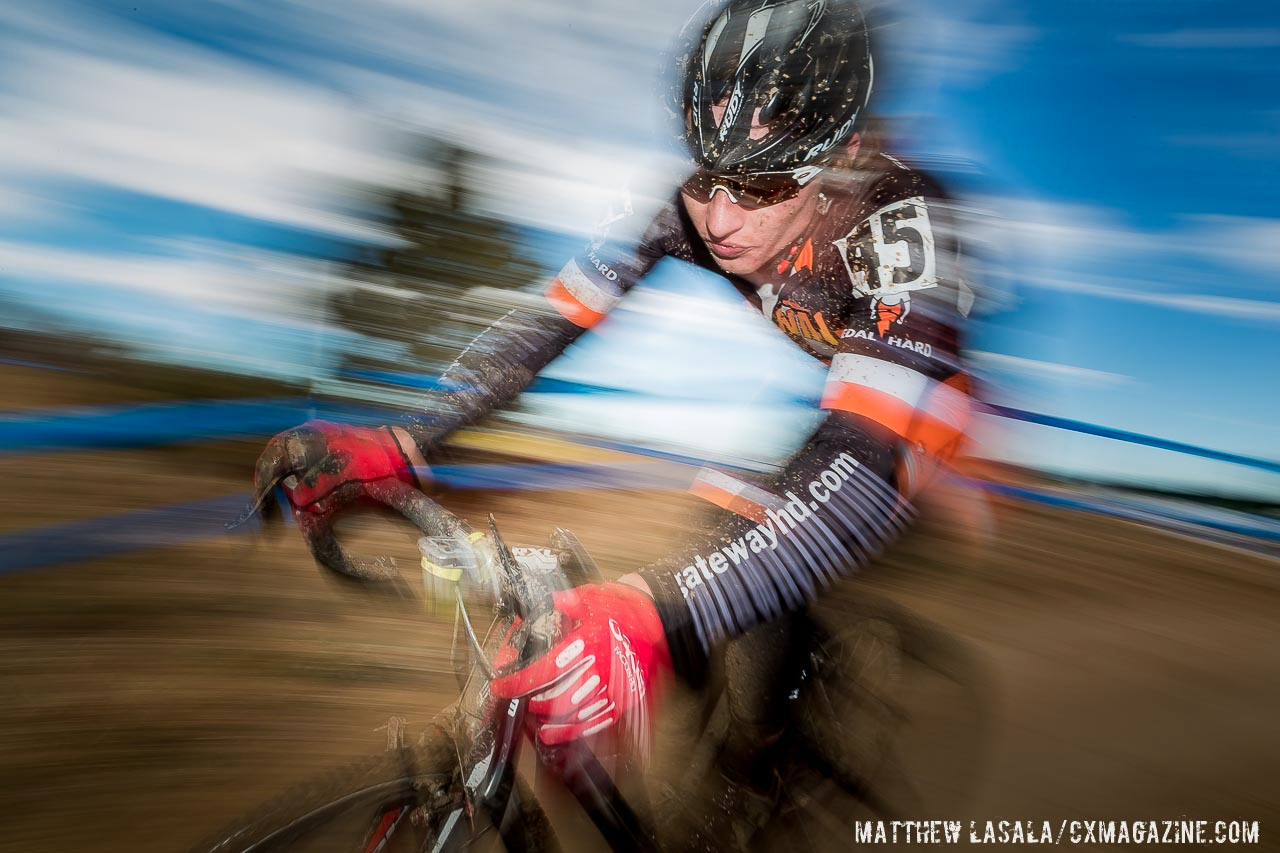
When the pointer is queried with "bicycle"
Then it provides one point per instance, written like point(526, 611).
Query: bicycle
point(461, 788)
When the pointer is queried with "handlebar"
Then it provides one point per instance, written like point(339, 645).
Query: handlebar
point(521, 590)
point(525, 591)
point(424, 513)
point(317, 527)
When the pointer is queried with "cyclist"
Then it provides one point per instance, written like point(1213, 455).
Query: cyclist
point(851, 253)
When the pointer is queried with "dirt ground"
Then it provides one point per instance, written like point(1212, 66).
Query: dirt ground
point(150, 698)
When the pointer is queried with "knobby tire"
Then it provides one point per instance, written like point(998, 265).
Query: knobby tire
point(339, 811)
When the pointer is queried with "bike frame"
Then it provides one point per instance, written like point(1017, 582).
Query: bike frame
point(489, 752)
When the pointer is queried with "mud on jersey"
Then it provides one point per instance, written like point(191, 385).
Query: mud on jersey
point(874, 290)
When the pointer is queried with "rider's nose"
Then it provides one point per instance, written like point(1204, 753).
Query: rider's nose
point(723, 217)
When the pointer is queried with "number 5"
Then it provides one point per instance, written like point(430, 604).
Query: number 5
point(901, 249)
point(904, 245)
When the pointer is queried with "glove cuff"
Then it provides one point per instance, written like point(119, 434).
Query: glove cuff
point(426, 433)
point(689, 659)
point(402, 456)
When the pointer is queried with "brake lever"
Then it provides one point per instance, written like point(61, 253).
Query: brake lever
point(264, 501)
point(265, 498)
point(532, 598)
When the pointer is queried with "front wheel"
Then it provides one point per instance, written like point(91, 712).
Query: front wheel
point(404, 800)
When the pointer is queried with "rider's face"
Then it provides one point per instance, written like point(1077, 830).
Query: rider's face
point(742, 240)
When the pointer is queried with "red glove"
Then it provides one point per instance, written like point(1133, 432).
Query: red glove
point(323, 465)
point(600, 673)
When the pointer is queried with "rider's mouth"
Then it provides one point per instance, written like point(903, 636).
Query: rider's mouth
point(726, 251)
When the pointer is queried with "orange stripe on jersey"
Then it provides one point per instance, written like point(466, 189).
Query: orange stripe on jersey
point(734, 503)
point(737, 496)
point(925, 413)
point(885, 409)
point(936, 426)
point(569, 306)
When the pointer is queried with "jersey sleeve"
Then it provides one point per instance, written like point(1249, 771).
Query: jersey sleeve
point(592, 282)
point(896, 402)
point(504, 359)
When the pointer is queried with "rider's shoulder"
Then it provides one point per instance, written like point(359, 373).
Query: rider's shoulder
point(881, 181)
point(669, 231)
point(649, 226)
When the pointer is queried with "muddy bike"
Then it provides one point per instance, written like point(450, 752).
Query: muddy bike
point(857, 700)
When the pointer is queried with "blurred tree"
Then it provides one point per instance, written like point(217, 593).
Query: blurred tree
point(31, 333)
point(32, 338)
point(424, 299)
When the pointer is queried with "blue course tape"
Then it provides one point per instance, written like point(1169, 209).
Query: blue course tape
point(1144, 511)
point(555, 476)
point(22, 362)
point(172, 525)
point(118, 534)
point(431, 382)
point(150, 424)
point(1132, 437)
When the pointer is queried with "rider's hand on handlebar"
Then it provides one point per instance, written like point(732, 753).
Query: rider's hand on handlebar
point(323, 466)
point(600, 673)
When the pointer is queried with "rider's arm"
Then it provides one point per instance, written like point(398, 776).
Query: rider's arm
point(504, 359)
point(324, 466)
point(897, 403)
point(492, 371)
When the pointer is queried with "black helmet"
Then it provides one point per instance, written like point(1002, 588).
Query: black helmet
point(804, 64)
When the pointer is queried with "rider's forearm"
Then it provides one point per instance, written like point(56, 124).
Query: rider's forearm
point(491, 372)
point(829, 513)
point(506, 357)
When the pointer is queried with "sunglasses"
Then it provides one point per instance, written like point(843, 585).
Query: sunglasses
point(748, 191)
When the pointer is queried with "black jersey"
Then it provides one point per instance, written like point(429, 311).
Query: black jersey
point(874, 291)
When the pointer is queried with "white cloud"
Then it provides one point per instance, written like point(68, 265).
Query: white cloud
point(1017, 365)
point(1243, 242)
point(587, 50)
point(1211, 304)
point(535, 175)
point(1236, 308)
point(208, 129)
point(204, 132)
point(1259, 144)
point(970, 53)
point(31, 208)
point(938, 43)
point(214, 277)
point(1208, 38)
point(1096, 251)
point(1065, 229)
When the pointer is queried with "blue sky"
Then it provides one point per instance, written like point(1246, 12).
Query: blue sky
point(170, 172)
